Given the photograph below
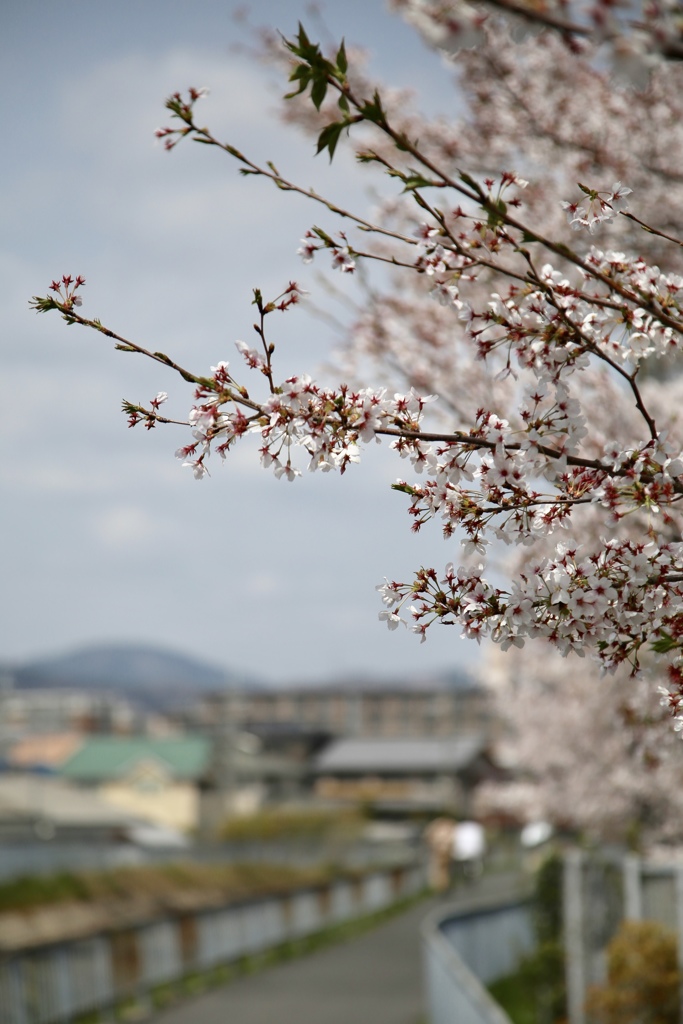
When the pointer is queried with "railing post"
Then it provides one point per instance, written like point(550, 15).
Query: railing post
point(572, 899)
point(62, 977)
point(16, 987)
point(633, 888)
point(679, 927)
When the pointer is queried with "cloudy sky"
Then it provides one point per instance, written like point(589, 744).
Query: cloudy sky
point(105, 537)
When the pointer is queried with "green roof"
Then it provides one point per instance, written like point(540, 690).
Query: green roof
point(103, 758)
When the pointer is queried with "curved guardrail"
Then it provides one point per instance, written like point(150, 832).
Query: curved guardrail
point(129, 966)
point(467, 944)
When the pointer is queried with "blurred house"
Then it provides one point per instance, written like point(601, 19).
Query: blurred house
point(270, 765)
point(45, 752)
point(155, 779)
point(35, 806)
point(402, 775)
point(269, 745)
point(64, 710)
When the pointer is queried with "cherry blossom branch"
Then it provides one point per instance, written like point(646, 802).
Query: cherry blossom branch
point(470, 441)
point(373, 112)
point(515, 480)
point(650, 230)
point(43, 305)
point(591, 347)
point(205, 137)
point(452, 26)
point(468, 188)
point(537, 16)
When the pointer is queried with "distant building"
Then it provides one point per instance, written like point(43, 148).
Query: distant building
point(44, 752)
point(354, 710)
point(404, 774)
point(291, 731)
point(157, 780)
point(64, 710)
point(35, 806)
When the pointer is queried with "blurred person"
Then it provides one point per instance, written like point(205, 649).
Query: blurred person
point(468, 848)
point(439, 838)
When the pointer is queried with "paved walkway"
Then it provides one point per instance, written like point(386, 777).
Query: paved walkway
point(375, 978)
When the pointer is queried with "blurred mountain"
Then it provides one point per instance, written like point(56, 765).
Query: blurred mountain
point(159, 678)
point(154, 675)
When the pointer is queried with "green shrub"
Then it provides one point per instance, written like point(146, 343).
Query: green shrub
point(536, 992)
point(159, 884)
point(283, 823)
point(643, 979)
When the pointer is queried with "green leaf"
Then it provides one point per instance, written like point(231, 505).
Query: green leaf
point(664, 644)
point(413, 181)
point(404, 144)
point(318, 91)
point(297, 92)
point(329, 137)
point(302, 45)
point(42, 305)
point(469, 181)
point(323, 236)
point(342, 62)
point(496, 213)
point(303, 38)
point(301, 74)
point(373, 111)
point(406, 488)
point(300, 71)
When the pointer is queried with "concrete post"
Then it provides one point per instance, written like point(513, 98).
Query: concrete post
point(633, 888)
point(678, 878)
point(572, 899)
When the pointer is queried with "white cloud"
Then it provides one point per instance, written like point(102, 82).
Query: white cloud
point(263, 584)
point(126, 526)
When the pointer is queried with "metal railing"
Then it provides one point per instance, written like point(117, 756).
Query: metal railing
point(600, 891)
point(465, 945)
point(45, 858)
point(60, 982)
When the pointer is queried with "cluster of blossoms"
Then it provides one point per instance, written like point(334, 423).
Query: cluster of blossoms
point(609, 761)
point(342, 257)
point(327, 424)
point(449, 26)
point(599, 757)
point(182, 109)
point(637, 39)
point(615, 601)
point(487, 481)
point(542, 319)
point(553, 327)
point(150, 417)
point(596, 207)
point(65, 290)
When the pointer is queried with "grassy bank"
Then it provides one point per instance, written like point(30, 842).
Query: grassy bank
point(160, 883)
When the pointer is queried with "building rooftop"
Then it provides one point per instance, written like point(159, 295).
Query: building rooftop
point(102, 758)
point(399, 755)
point(44, 751)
